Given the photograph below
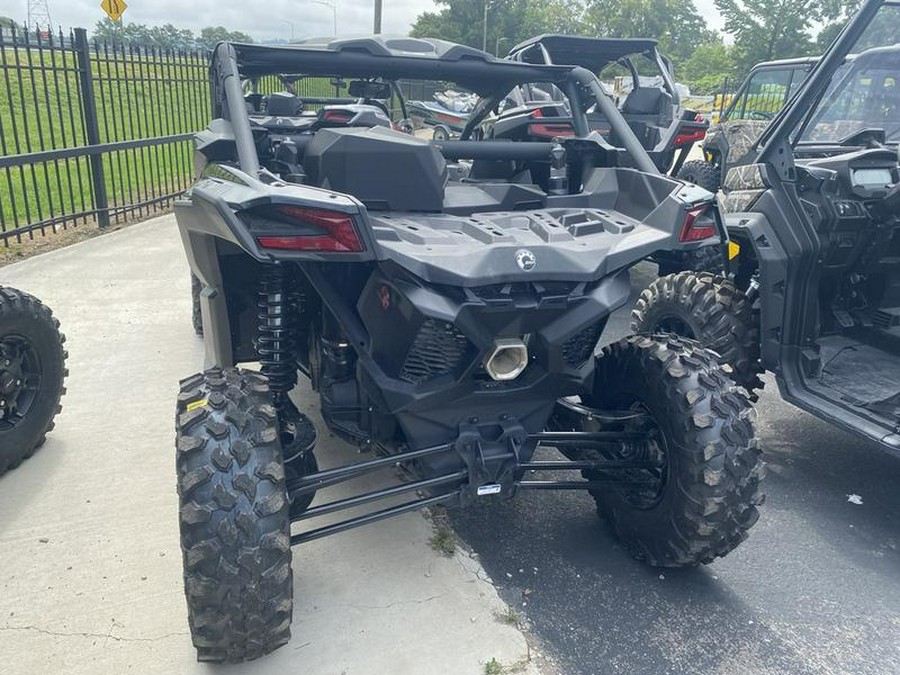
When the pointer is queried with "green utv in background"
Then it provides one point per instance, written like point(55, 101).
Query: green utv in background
point(766, 90)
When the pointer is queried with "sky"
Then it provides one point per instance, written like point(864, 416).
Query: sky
point(262, 20)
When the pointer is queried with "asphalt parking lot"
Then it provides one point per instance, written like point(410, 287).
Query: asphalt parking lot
point(89, 543)
point(814, 590)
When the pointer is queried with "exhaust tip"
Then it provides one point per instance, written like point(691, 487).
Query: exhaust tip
point(507, 359)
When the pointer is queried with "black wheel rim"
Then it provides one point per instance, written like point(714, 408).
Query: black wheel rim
point(672, 323)
point(20, 379)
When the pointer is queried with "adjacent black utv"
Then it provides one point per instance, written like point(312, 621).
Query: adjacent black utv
point(32, 373)
point(652, 106)
point(445, 301)
point(814, 219)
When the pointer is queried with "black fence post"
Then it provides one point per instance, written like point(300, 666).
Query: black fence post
point(91, 125)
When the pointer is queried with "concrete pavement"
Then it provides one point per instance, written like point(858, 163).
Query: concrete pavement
point(89, 548)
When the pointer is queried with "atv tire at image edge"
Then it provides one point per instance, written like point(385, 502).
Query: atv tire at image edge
point(234, 520)
point(32, 375)
point(710, 310)
point(707, 492)
point(702, 173)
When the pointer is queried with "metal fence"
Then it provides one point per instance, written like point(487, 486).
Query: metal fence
point(100, 133)
point(93, 132)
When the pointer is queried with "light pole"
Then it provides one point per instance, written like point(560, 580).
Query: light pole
point(291, 24)
point(333, 6)
point(487, 4)
point(497, 45)
point(378, 7)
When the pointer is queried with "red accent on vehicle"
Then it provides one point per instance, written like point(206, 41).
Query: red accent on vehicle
point(689, 136)
point(341, 116)
point(691, 230)
point(550, 130)
point(449, 119)
point(339, 234)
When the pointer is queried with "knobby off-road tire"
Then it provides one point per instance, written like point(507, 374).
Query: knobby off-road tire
point(31, 354)
point(196, 315)
point(710, 310)
point(712, 470)
point(235, 529)
point(701, 173)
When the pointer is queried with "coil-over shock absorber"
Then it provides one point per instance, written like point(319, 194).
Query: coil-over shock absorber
point(276, 350)
point(275, 335)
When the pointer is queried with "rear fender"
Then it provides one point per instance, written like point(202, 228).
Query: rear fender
point(214, 202)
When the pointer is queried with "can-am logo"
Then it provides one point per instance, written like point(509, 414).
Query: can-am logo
point(525, 259)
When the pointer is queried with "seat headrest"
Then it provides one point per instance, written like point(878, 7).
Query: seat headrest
point(283, 104)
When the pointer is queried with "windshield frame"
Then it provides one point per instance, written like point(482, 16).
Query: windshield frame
point(854, 65)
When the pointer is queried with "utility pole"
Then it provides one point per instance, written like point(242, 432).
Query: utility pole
point(487, 4)
point(378, 4)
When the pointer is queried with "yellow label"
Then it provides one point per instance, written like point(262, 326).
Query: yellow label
point(193, 405)
point(733, 250)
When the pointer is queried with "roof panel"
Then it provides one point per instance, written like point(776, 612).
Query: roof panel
point(588, 52)
point(393, 58)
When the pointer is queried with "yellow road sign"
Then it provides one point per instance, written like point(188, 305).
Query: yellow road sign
point(114, 8)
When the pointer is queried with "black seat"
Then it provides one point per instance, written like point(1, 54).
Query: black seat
point(283, 104)
point(647, 101)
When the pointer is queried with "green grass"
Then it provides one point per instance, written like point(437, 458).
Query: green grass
point(443, 541)
point(135, 97)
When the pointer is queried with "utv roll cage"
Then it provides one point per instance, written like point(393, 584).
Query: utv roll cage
point(390, 59)
point(654, 113)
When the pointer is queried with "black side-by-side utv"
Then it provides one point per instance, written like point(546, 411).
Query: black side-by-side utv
point(445, 301)
point(814, 219)
point(652, 106)
point(32, 374)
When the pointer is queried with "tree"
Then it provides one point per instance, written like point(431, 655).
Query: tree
point(706, 69)
point(170, 37)
point(509, 21)
point(7, 24)
point(212, 35)
point(675, 23)
point(773, 29)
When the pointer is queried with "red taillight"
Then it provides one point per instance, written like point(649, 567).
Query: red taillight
point(549, 130)
point(691, 230)
point(685, 137)
point(338, 236)
point(341, 116)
